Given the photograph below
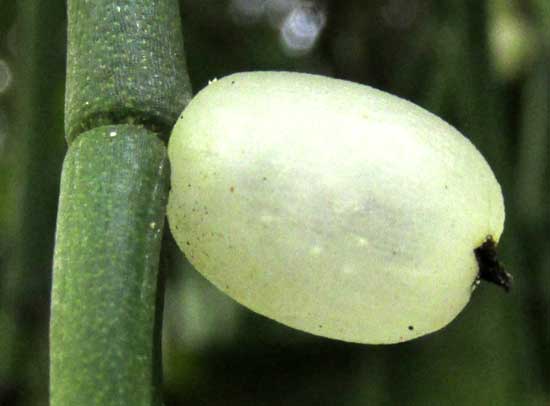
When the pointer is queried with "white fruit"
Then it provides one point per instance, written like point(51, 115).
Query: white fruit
point(330, 206)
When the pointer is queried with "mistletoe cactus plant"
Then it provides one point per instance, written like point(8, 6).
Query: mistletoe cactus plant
point(329, 206)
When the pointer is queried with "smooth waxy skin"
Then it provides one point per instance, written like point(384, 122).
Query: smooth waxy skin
point(329, 206)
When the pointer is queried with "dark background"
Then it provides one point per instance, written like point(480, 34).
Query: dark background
point(482, 65)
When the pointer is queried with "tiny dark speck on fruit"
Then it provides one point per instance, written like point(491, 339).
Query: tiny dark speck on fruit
point(232, 82)
point(187, 242)
point(411, 328)
point(232, 189)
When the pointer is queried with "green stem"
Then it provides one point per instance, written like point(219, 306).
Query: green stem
point(105, 269)
point(126, 85)
point(125, 65)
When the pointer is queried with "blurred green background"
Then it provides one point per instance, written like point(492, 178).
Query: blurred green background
point(482, 65)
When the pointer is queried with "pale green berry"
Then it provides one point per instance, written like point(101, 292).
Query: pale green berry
point(329, 206)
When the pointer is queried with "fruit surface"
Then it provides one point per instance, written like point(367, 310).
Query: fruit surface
point(329, 206)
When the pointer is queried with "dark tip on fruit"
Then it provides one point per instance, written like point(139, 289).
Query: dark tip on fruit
point(490, 269)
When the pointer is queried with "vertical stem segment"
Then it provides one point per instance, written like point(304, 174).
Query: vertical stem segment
point(111, 214)
point(125, 64)
point(126, 85)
